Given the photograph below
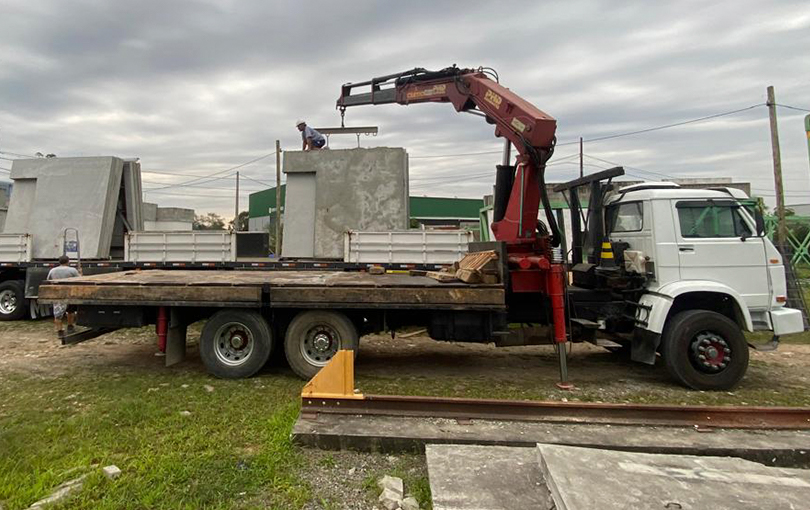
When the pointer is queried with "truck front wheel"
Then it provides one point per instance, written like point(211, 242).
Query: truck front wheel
point(704, 350)
point(235, 343)
point(12, 300)
point(314, 337)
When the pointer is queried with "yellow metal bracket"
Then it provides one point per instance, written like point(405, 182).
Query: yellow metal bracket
point(335, 380)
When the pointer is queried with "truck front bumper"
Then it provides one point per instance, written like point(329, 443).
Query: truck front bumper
point(786, 321)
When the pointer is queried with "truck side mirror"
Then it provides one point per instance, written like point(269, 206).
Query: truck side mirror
point(760, 221)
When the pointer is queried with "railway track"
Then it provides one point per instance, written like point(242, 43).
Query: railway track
point(701, 417)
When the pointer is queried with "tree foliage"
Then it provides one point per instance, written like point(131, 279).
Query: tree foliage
point(210, 221)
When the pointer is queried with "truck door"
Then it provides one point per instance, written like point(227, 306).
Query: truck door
point(716, 243)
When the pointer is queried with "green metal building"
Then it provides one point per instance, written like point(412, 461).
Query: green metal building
point(458, 212)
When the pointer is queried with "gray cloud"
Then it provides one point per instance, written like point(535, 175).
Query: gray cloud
point(194, 87)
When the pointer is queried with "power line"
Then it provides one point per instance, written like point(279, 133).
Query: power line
point(219, 172)
point(666, 126)
point(629, 167)
point(793, 108)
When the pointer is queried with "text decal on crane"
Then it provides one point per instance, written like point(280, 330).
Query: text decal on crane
point(493, 99)
point(435, 90)
point(518, 125)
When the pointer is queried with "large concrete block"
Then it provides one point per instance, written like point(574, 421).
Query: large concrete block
point(585, 478)
point(149, 211)
point(473, 477)
point(175, 214)
point(57, 193)
point(332, 191)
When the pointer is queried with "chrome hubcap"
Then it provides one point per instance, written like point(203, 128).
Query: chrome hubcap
point(234, 344)
point(320, 344)
point(8, 301)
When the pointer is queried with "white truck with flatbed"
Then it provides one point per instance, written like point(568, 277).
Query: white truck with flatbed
point(688, 273)
point(659, 270)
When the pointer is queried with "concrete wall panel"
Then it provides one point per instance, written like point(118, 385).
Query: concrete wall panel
point(355, 189)
point(298, 239)
point(57, 193)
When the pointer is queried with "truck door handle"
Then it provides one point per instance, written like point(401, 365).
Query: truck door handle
point(686, 248)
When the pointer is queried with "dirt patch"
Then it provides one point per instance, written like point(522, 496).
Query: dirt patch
point(420, 365)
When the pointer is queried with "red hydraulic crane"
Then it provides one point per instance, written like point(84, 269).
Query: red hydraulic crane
point(519, 189)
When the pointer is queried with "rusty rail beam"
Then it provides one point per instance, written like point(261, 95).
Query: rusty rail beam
point(733, 417)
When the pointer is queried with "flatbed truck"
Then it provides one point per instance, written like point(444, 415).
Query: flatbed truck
point(662, 271)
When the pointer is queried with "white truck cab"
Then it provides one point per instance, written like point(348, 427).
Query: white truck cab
point(709, 268)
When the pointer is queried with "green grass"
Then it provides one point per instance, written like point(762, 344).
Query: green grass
point(233, 451)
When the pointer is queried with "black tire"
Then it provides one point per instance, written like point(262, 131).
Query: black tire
point(332, 330)
point(724, 350)
point(235, 343)
point(13, 305)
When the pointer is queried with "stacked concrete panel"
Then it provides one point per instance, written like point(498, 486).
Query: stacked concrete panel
point(166, 219)
point(133, 198)
point(57, 193)
point(332, 191)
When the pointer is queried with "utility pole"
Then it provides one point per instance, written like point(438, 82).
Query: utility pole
point(236, 206)
point(807, 130)
point(781, 230)
point(581, 164)
point(278, 199)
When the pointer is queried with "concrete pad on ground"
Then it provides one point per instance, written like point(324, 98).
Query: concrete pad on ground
point(396, 434)
point(586, 478)
point(471, 477)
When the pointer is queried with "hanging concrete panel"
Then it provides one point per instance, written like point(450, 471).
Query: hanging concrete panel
point(355, 189)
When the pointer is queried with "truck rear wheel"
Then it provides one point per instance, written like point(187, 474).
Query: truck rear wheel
point(705, 350)
point(235, 343)
point(12, 300)
point(314, 337)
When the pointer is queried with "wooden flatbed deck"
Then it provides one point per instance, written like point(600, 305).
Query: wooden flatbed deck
point(284, 289)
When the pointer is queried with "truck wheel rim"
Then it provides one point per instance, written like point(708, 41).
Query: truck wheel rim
point(710, 352)
point(320, 344)
point(8, 301)
point(233, 344)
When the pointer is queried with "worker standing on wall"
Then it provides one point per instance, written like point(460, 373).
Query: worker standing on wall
point(312, 140)
point(61, 308)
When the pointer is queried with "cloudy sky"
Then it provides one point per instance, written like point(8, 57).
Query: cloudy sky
point(197, 87)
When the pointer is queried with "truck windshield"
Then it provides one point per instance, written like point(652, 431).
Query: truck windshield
point(626, 217)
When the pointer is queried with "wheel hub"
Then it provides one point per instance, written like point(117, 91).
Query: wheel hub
point(8, 301)
point(711, 352)
point(234, 344)
point(238, 341)
point(320, 344)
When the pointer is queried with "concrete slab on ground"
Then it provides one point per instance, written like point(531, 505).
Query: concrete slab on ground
point(471, 477)
point(586, 478)
point(396, 434)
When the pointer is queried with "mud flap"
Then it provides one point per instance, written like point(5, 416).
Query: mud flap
point(645, 345)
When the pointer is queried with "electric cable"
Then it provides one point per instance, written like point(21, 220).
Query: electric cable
point(666, 126)
point(792, 107)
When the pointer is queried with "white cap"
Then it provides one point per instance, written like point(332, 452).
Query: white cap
point(299, 122)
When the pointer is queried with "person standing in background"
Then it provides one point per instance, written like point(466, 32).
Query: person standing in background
point(61, 308)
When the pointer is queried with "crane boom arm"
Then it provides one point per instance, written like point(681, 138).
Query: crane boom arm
point(529, 129)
